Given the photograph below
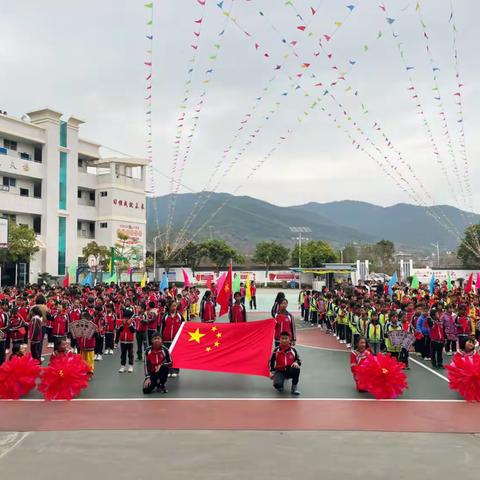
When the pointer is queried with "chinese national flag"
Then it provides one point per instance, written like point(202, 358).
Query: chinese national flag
point(243, 348)
point(224, 296)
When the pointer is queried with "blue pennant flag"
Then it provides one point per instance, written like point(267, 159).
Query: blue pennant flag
point(391, 283)
point(431, 287)
point(164, 283)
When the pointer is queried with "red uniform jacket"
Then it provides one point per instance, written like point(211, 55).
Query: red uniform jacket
point(154, 358)
point(60, 325)
point(170, 326)
point(110, 320)
point(35, 333)
point(282, 358)
point(127, 331)
point(284, 322)
point(237, 313)
point(207, 311)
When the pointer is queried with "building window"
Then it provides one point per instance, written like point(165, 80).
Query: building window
point(37, 225)
point(37, 155)
point(24, 192)
point(10, 144)
point(62, 184)
point(37, 190)
point(9, 182)
point(104, 194)
point(103, 225)
point(63, 134)
point(62, 244)
point(79, 194)
point(92, 196)
point(25, 156)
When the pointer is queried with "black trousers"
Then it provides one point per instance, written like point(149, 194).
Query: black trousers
point(99, 345)
point(253, 302)
point(49, 332)
point(156, 380)
point(2, 351)
point(436, 353)
point(403, 357)
point(124, 349)
point(109, 336)
point(306, 314)
point(280, 377)
point(36, 350)
point(141, 343)
point(314, 316)
point(425, 347)
point(348, 334)
point(149, 335)
point(451, 345)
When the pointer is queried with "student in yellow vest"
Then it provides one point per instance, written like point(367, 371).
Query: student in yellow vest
point(374, 334)
point(342, 321)
point(313, 308)
point(390, 326)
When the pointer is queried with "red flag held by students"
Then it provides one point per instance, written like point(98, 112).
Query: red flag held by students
point(243, 348)
point(186, 280)
point(224, 295)
point(469, 284)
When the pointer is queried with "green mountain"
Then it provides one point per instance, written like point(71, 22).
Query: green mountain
point(244, 221)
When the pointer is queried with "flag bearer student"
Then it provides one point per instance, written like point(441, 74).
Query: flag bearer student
point(437, 339)
point(60, 324)
point(169, 327)
point(157, 365)
point(99, 321)
point(35, 333)
point(313, 307)
point(284, 322)
point(392, 325)
point(237, 312)
point(126, 336)
point(285, 364)
point(374, 334)
point(110, 325)
point(357, 356)
point(141, 325)
point(207, 308)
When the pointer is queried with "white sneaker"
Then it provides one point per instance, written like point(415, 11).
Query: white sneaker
point(348, 345)
point(99, 358)
point(7, 351)
point(130, 369)
point(95, 357)
point(42, 359)
point(122, 369)
point(174, 375)
point(50, 345)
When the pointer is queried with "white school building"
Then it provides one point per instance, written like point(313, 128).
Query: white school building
point(57, 183)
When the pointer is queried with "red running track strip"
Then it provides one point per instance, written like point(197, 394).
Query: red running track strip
point(404, 416)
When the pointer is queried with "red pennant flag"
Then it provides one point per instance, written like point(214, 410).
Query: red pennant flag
point(256, 46)
point(197, 34)
point(200, 20)
point(224, 296)
point(327, 37)
point(66, 281)
point(243, 348)
point(305, 65)
point(468, 286)
point(186, 280)
point(313, 10)
point(302, 28)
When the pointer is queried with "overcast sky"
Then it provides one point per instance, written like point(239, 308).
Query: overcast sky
point(86, 59)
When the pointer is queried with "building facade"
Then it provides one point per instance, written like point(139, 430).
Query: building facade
point(58, 184)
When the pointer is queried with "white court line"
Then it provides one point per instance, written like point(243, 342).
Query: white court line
point(429, 369)
point(12, 441)
point(242, 399)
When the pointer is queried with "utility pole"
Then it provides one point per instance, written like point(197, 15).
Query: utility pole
point(155, 258)
point(438, 252)
point(300, 230)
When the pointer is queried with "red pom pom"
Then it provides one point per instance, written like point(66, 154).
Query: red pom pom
point(18, 376)
point(464, 376)
point(382, 376)
point(64, 378)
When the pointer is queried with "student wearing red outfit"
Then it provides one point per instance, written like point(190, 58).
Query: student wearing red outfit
point(74, 315)
point(99, 321)
point(3, 335)
point(207, 308)
point(169, 327)
point(60, 325)
point(157, 365)
point(437, 339)
point(86, 346)
point(357, 356)
point(237, 312)
point(126, 333)
point(152, 321)
point(284, 364)
point(17, 327)
point(468, 349)
point(284, 322)
point(110, 325)
point(141, 326)
point(35, 333)
point(253, 295)
point(464, 325)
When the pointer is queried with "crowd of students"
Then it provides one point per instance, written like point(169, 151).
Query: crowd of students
point(441, 323)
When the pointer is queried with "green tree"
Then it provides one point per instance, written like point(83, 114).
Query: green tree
point(270, 253)
point(191, 255)
point(469, 249)
point(100, 252)
point(314, 254)
point(384, 252)
point(220, 253)
point(22, 243)
point(127, 254)
point(350, 254)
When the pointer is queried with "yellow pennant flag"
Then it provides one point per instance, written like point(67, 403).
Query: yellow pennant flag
point(248, 289)
point(144, 280)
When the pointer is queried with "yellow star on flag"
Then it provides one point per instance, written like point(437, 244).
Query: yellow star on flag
point(214, 329)
point(196, 336)
point(217, 344)
point(219, 335)
point(208, 349)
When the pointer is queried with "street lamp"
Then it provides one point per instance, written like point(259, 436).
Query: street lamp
point(438, 252)
point(155, 257)
point(300, 230)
